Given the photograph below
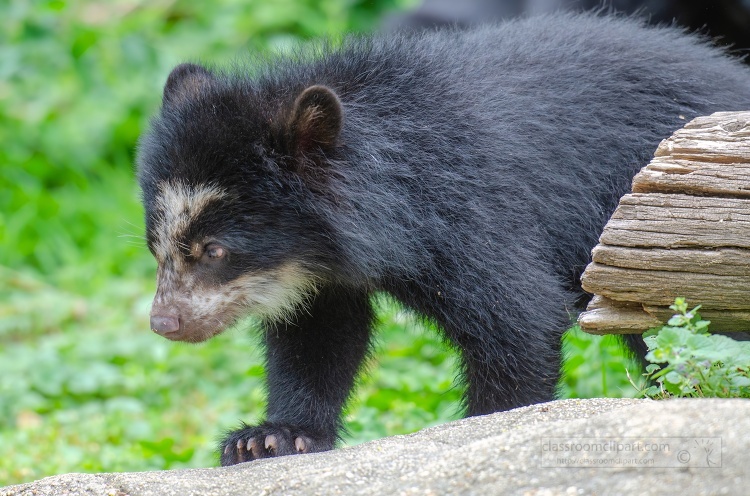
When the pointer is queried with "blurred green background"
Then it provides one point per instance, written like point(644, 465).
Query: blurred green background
point(84, 384)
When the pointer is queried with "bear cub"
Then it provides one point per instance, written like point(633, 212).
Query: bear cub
point(467, 174)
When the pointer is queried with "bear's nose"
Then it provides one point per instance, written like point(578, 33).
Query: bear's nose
point(163, 324)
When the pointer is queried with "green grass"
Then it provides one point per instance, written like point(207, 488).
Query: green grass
point(102, 393)
point(82, 377)
point(84, 385)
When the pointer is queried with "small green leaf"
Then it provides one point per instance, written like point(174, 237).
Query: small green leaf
point(673, 377)
point(677, 321)
point(652, 391)
point(651, 368)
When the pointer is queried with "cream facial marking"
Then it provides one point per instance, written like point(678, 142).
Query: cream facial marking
point(177, 205)
point(206, 310)
point(275, 295)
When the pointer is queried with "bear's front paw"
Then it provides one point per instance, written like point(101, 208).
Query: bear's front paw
point(267, 440)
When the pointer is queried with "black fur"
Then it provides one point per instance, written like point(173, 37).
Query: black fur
point(471, 176)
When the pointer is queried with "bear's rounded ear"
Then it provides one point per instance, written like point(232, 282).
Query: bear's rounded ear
point(316, 120)
point(184, 82)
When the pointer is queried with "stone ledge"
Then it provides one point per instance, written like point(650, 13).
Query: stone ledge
point(494, 454)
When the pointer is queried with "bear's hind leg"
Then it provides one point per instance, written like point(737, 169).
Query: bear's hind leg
point(509, 336)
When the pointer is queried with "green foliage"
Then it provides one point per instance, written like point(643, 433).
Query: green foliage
point(595, 366)
point(687, 361)
point(78, 81)
point(101, 393)
point(84, 386)
point(84, 378)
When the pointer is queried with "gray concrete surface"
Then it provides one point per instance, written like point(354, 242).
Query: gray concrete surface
point(684, 447)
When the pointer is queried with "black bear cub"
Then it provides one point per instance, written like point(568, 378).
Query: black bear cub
point(466, 173)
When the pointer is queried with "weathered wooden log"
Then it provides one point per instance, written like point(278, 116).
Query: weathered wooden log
point(661, 287)
point(722, 261)
point(684, 231)
point(605, 316)
point(658, 220)
point(695, 178)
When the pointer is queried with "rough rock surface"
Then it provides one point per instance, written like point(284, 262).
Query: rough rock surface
point(504, 453)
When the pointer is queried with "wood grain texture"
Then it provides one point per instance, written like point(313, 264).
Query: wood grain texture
point(710, 156)
point(605, 316)
point(721, 320)
point(694, 178)
point(723, 261)
point(719, 138)
point(684, 231)
point(658, 220)
point(659, 287)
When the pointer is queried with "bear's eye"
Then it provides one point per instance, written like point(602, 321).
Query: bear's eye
point(214, 251)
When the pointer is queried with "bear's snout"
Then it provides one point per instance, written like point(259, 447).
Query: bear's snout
point(164, 324)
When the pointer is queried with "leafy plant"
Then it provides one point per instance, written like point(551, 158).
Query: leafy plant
point(687, 361)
